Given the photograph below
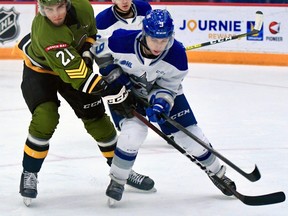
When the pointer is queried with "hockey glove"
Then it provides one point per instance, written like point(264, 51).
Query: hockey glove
point(114, 75)
point(158, 106)
point(119, 97)
point(101, 87)
point(87, 56)
point(122, 103)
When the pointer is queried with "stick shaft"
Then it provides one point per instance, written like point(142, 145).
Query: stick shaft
point(256, 30)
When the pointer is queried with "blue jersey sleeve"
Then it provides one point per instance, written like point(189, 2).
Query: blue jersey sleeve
point(115, 42)
point(177, 56)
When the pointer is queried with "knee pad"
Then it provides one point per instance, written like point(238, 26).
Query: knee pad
point(102, 130)
point(133, 134)
point(188, 143)
point(45, 119)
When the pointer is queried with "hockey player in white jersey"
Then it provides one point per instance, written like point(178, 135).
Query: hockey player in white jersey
point(152, 65)
point(125, 14)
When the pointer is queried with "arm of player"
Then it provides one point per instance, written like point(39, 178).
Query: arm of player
point(85, 52)
point(119, 97)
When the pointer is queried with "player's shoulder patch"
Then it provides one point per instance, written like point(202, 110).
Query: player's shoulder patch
point(56, 46)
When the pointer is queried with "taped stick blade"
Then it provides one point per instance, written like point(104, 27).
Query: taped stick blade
point(258, 20)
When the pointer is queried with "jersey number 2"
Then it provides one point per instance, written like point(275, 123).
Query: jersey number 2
point(64, 58)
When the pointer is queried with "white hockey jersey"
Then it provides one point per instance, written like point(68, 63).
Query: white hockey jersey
point(108, 20)
point(167, 71)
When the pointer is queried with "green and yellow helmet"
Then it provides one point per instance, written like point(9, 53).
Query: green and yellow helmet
point(42, 3)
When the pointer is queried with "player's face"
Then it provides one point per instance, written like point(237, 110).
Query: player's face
point(56, 13)
point(123, 5)
point(156, 45)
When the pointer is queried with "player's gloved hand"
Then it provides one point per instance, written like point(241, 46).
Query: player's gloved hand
point(122, 103)
point(158, 106)
point(119, 97)
point(87, 56)
point(88, 59)
point(101, 87)
point(114, 75)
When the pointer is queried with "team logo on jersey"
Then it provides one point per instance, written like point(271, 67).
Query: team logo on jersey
point(126, 63)
point(9, 27)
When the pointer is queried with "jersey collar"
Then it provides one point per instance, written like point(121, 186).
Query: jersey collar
point(133, 7)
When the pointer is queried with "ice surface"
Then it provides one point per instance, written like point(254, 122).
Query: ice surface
point(243, 110)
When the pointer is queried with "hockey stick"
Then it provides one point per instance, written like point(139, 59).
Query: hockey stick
point(256, 30)
point(266, 199)
point(253, 176)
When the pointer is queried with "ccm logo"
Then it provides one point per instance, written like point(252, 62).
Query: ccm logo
point(116, 99)
point(180, 114)
point(94, 104)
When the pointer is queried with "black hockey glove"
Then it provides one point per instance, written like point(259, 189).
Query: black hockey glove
point(101, 87)
point(120, 98)
point(122, 103)
point(87, 56)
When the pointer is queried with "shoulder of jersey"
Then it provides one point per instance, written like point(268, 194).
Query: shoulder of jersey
point(116, 41)
point(142, 7)
point(105, 18)
point(48, 40)
point(177, 56)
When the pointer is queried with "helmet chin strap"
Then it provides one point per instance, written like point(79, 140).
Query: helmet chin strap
point(143, 42)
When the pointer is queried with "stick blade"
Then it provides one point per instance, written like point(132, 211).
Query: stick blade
point(259, 20)
point(268, 199)
point(255, 175)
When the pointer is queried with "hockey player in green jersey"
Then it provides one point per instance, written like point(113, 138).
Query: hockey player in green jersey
point(57, 59)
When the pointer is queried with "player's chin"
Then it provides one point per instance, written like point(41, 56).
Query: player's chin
point(156, 52)
point(58, 22)
point(125, 8)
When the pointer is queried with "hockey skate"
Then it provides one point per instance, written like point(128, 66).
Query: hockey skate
point(141, 182)
point(114, 191)
point(226, 180)
point(28, 187)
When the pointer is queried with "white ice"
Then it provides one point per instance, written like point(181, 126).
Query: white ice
point(243, 110)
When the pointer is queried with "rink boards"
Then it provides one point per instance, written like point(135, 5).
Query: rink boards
point(194, 24)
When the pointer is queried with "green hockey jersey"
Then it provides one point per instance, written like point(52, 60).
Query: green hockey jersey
point(57, 49)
